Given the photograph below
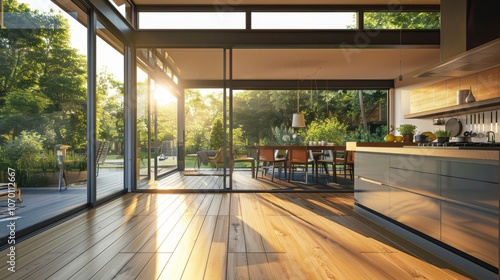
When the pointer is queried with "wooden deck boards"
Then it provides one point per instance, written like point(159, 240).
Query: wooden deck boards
point(223, 236)
point(45, 203)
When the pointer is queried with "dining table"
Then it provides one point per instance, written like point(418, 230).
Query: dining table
point(316, 150)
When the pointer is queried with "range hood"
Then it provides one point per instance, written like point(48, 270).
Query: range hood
point(470, 38)
point(476, 60)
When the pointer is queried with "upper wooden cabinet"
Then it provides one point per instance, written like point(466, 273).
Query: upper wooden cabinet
point(440, 99)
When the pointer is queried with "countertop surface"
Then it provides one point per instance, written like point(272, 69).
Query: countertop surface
point(448, 152)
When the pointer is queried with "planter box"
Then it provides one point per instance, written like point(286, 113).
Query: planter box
point(72, 176)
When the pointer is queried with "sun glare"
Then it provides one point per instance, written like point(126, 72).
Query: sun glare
point(162, 96)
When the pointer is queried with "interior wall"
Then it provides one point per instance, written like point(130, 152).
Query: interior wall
point(402, 107)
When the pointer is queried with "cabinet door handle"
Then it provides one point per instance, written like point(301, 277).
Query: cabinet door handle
point(370, 181)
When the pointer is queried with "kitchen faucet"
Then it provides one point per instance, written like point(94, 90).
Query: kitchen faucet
point(491, 136)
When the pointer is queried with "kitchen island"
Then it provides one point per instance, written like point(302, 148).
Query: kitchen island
point(444, 198)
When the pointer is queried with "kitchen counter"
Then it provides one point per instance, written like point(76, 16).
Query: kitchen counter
point(351, 146)
point(475, 153)
point(446, 195)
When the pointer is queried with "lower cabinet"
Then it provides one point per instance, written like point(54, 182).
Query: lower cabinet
point(472, 231)
point(416, 211)
point(372, 195)
point(447, 199)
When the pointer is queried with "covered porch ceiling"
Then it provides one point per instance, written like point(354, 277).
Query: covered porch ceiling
point(302, 63)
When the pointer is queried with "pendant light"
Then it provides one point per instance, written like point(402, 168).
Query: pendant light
point(298, 120)
point(400, 78)
point(1, 15)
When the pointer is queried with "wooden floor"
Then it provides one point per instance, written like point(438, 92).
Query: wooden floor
point(242, 180)
point(223, 236)
point(44, 203)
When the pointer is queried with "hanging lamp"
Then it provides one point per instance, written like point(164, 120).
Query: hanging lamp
point(298, 120)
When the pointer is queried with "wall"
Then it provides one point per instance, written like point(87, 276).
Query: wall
point(402, 107)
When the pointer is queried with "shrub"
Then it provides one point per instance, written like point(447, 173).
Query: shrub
point(330, 130)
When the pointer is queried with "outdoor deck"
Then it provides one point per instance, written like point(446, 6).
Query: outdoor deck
point(223, 236)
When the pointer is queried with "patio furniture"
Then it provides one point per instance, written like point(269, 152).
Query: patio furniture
point(203, 156)
point(217, 159)
point(245, 158)
point(102, 149)
point(4, 191)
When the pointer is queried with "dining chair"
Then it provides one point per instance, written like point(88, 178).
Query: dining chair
point(335, 158)
point(269, 157)
point(345, 159)
point(349, 164)
point(299, 156)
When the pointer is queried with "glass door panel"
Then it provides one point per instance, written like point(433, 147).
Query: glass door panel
point(110, 130)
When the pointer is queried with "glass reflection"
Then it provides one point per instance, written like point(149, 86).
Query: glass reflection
point(110, 132)
point(43, 103)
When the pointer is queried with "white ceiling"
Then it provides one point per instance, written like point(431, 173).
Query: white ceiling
point(298, 64)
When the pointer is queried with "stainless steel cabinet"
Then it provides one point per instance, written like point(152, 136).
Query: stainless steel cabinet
point(375, 196)
point(416, 211)
point(455, 201)
point(472, 231)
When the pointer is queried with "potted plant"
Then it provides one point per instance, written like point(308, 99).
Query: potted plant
point(443, 136)
point(407, 131)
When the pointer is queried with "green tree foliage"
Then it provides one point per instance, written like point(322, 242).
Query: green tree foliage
point(403, 20)
point(110, 112)
point(264, 117)
point(330, 130)
point(24, 151)
point(37, 60)
point(217, 135)
point(201, 111)
point(257, 112)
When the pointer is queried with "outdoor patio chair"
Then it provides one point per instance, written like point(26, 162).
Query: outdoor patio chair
point(4, 191)
point(217, 159)
point(243, 158)
point(102, 149)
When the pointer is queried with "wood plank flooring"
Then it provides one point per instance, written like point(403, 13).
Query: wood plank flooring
point(223, 236)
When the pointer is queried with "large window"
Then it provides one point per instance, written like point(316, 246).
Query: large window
point(157, 124)
point(191, 20)
point(110, 130)
point(402, 20)
point(304, 20)
point(43, 106)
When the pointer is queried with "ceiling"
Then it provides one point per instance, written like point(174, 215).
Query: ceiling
point(298, 64)
point(286, 2)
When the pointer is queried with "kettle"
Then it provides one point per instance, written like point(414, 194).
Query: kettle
point(491, 136)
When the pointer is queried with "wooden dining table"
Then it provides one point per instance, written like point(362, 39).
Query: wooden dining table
point(317, 152)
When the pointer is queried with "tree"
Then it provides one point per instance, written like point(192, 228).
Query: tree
point(403, 20)
point(330, 130)
point(217, 135)
point(37, 59)
point(202, 110)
